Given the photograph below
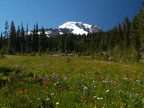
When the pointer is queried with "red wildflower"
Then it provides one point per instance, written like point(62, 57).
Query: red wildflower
point(37, 87)
point(90, 99)
point(25, 91)
point(18, 89)
point(45, 81)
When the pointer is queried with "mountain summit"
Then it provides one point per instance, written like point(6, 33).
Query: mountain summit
point(78, 28)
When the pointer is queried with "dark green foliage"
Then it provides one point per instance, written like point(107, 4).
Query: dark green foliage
point(43, 41)
point(135, 38)
point(22, 38)
point(12, 40)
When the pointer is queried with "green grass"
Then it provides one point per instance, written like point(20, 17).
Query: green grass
point(69, 82)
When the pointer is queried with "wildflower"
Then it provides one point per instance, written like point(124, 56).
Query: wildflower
point(52, 94)
point(37, 87)
point(23, 81)
point(48, 99)
point(137, 95)
point(138, 81)
point(57, 103)
point(56, 83)
point(39, 99)
point(84, 89)
point(130, 95)
point(90, 99)
point(99, 98)
point(43, 78)
point(107, 91)
point(25, 91)
point(18, 89)
point(83, 99)
point(119, 91)
point(45, 81)
point(94, 97)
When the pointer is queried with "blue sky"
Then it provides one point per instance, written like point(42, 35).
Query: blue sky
point(52, 13)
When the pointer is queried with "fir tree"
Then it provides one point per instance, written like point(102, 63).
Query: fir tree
point(141, 26)
point(22, 39)
point(12, 39)
point(135, 38)
point(42, 41)
point(18, 41)
point(6, 32)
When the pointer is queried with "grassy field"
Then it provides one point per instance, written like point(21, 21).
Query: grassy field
point(69, 82)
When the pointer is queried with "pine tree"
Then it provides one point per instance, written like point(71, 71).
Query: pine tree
point(6, 34)
point(126, 34)
point(42, 42)
point(119, 41)
point(12, 39)
point(141, 26)
point(35, 39)
point(27, 41)
point(135, 38)
point(22, 39)
point(18, 41)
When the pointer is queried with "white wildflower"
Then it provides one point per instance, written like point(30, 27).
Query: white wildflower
point(94, 97)
point(48, 99)
point(52, 94)
point(84, 90)
point(57, 103)
point(99, 98)
point(130, 95)
point(137, 95)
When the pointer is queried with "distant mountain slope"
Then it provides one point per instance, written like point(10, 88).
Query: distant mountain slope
point(78, 28)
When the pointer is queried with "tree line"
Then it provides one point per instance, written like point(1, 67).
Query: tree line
point(125, 41)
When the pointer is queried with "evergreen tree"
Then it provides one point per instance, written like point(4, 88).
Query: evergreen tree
point(126, 32)
point(35, 40)
point(119, 41)
point(135, 38)
point(42, 41)
point(22, 39)
point(6, 33)
point(112, 38)
point(18, 41)
point(12, 39)
point(141, 26)
point(27, 41)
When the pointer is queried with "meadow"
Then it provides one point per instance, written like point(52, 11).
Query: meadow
point(69, 82)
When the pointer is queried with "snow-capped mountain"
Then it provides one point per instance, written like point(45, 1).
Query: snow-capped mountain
point(78, 28)
point(70, 27)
